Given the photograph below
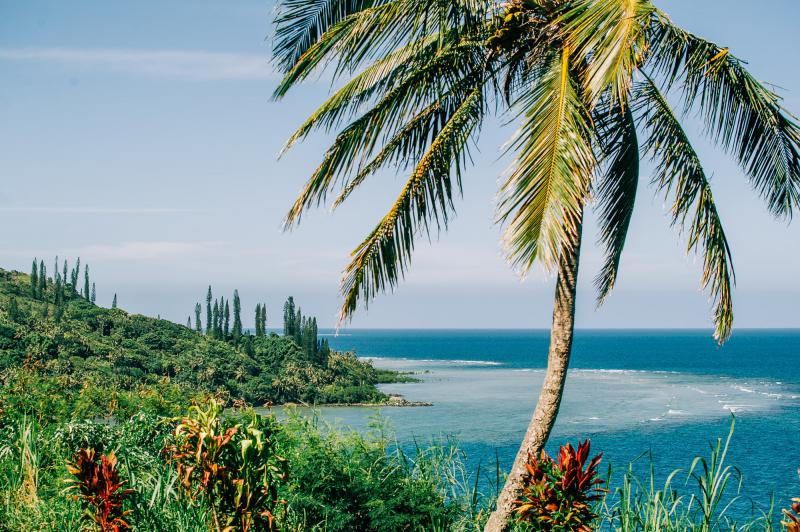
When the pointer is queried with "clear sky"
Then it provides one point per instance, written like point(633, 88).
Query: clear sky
point(140, 136)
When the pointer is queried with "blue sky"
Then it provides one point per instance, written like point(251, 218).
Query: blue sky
point(142, 137)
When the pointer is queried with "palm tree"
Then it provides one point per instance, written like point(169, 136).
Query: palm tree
point(583, 79)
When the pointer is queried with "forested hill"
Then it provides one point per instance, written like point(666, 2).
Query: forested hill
point(52, 329)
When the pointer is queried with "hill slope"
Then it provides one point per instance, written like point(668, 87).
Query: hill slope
point(65, 335)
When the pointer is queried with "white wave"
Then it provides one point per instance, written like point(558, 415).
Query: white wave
point(436, 361)
point(736, 408)
point(672, 412)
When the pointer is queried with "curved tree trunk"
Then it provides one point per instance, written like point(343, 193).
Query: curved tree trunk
point(544, 416)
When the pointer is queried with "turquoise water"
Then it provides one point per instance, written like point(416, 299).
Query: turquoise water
point(630, 391)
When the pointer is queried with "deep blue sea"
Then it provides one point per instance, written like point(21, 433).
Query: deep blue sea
point(670, 392)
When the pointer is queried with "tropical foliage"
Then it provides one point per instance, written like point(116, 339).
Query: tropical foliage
point(233, 467)
point(586, 83)
point(98, 486)
point(111, 361)
point(559, 496)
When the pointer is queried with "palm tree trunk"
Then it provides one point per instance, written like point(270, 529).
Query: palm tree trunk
point(544, 416)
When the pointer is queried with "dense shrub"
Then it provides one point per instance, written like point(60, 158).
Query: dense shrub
point(559, 495)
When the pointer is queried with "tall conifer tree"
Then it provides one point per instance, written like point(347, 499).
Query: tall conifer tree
point(263, 319)
point(114, 302)
point(237, 317)
point(34, 280)
point(86, 294)
point(215, 318)
point(198, 325)
point(209, 317)
point(258, 319)
point(288, 317)
point(227, 325)
point(57, 288)
point(42, 279)
point(75, 273)
point(64, 276)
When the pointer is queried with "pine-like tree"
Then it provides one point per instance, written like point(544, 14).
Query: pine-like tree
point(34, 280)
point(75, 273)
point(188, 322)
point(64, 276)
point(227, 324)
point(42, 279)
point(94, 294)
point(215, 317)
point(86, 294)
point(237, 318)
point(209, 317)
point(57, 288)
point(114, 302)
point(289, 317)
point(263, 319)
point(298, 325)
point(258, 320)
point(198, 325)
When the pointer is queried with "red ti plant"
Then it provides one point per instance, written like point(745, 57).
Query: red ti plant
point(557, 496)
point(792, 522)
point(100, 489)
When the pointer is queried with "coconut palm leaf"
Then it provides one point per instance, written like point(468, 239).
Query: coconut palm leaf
point(380, 260)
point(616, 189)
point(543, 196)
point(376, 31)
point(410, 143)
point(679, 172)
point(356, 142)
point(741, 114)
point(301, 23)
point(611, 33)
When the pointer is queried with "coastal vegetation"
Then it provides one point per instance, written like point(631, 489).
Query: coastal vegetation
point(102, 429)
point(108, 360)
point(586, 82)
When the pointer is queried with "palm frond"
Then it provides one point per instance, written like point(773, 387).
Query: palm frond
point(616, 189)
point(543, 196)
point(378, 30)
point(402, 67)
point(679, 172)
point(382, 258)
point(301, 23)
point(741, 114)
point(356, 142)
point(611, 34)
point(409, 144)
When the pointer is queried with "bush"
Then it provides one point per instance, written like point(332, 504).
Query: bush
point(232, 467)
point(558, 496)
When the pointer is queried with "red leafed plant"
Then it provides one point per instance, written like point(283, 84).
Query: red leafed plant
point(557, 496)
point(100, 489)
point(234, 467)
point(792, 522)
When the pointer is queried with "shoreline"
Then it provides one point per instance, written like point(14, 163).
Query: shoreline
point(394, 401)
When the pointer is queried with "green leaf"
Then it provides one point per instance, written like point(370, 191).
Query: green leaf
point(680, 173)
point(381, 259)
point(543, 197)
point(616, 190)
point(741, 114)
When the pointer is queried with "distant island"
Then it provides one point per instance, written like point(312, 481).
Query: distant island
point(105, 361)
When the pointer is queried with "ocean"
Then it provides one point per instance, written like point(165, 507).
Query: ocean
point(665, 392)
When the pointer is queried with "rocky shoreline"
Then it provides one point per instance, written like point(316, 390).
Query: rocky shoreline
point(395, 400)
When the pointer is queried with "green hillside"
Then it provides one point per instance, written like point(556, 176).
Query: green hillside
point(108, 359)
